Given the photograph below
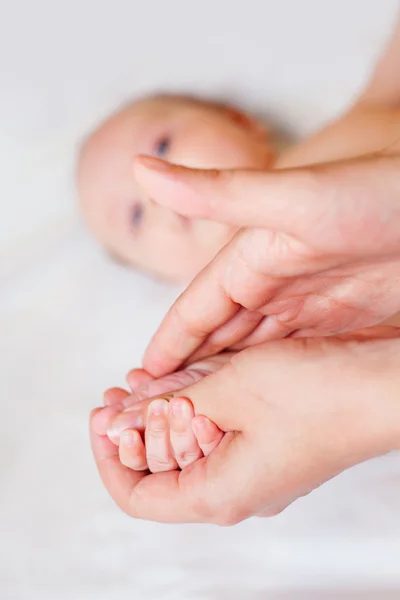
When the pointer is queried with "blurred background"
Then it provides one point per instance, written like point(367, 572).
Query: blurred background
point(72, 323)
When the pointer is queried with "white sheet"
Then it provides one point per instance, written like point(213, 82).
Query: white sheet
point(72, 323)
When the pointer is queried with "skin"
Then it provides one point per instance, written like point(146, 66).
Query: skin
point(174, 435)
point(268, 400)
point(315, 260)
point(337, 403)
point(185, 131)
point(200, 135)
point(319, 250)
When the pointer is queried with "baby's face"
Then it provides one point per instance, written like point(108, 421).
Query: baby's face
point(129, 223)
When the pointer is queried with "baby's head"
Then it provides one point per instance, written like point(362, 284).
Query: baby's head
point(185, 131)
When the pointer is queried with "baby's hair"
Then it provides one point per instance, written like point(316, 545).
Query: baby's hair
point(177, 98)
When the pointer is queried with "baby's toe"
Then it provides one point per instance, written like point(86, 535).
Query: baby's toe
point(207, 433)
point(184, 444)
point(158, 448)
point(132, 452)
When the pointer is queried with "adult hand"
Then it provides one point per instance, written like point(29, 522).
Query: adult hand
point(296, 413)
point(321, 254)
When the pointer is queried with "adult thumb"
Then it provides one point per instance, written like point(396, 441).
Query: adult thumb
point(246, 198)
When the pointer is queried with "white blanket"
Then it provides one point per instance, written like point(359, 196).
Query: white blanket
point(72, 323)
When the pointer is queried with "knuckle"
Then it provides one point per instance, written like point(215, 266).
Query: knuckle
point(157, 463)
point(185, 457)
point(194, 327)
point(213, 348)
point(136, 464)
point(156, 433)
point(179, 439)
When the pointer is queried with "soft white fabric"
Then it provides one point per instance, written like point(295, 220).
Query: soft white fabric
point(72, 323)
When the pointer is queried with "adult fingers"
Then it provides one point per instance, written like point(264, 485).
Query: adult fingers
point(104, 416)
point(137, 377)
point(333, 198)
point(269, 328)
point(246, 198)
point(214, 298)
point(114, 396)
point(242, 324)
point(371, 333)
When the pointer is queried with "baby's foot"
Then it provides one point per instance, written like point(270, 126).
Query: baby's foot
point(181, 436)
point(174, 438)
point(129, 411)
point(144, 386)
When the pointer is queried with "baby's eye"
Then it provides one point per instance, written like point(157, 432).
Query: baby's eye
point(162, 147)
point(136, 215)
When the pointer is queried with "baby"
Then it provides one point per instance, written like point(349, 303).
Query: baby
point(183, 130)
point(200, 134)
point(164, 433)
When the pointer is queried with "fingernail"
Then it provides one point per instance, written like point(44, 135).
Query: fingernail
point(125, 421)
point(158, 407)
point(199, 422)
point(128, 438)
point(179, 408)
point(155, 164)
